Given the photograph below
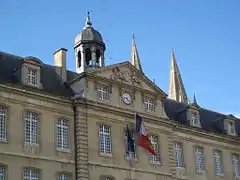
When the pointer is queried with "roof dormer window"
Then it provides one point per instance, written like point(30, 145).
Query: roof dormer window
point(31, 72)
point(32, 77)
point(230, 128)
point(195, 119)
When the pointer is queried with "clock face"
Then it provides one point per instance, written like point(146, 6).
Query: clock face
point(127, 99)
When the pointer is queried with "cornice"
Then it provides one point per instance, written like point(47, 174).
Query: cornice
point(45, 158)
point(36, 95)
point(157, 172)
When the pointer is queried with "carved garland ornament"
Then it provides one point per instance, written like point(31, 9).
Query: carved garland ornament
point(125, 77)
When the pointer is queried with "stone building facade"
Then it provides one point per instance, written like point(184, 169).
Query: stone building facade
point(59, 124)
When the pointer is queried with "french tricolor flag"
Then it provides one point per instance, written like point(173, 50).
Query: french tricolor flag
point(143, 133)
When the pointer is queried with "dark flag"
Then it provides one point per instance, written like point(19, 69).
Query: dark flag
point(130, 141)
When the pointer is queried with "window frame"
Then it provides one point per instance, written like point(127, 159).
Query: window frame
point(195, 121)
point(32, 76)
point(4, 171)
point(32, 122)
point(231, 126)
point(199, 169)
point(127, 154)
point(64, 127)
point(32, 171)
point(102, 94)
point(103, 137)
point(64, 174)
point(149, 104)
point(218, 162)
point(237, 174)
point(179, 155)
point(156, 145)
point(4, 119)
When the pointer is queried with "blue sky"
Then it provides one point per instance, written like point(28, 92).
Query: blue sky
point(204, 34)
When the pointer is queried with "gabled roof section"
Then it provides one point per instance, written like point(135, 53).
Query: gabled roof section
point(10, 67)
point(126, 73)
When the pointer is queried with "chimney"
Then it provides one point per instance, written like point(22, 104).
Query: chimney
point(60, 63)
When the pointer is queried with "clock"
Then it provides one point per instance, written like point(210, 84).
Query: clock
point(126, 98)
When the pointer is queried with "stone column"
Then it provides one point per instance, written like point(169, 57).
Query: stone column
point(83, 62)
point(101, 60)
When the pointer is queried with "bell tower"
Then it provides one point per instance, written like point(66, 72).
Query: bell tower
point(89, 48)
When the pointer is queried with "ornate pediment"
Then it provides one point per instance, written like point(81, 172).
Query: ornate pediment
point(129, 77)
point(125, 73)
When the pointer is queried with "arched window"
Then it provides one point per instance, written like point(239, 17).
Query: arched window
point(98, 54)
point(79, 59)
point(88, 57)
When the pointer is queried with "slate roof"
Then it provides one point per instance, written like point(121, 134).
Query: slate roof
point(10, 73)
point(51, 82)
point(210, 121)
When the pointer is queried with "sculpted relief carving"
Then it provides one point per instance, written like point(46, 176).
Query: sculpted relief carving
point(125, 77)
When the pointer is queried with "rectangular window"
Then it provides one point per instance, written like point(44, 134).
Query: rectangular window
point(154, 141)
point(131, 155)
point(62, 134)
point(102, 93)
point(149, 104)
point(32, 77)
point(199, 159)
point(105, 140)
point(3, 123)
point(31, 127)
point(2, 173)
point(195, 121)
point(218, 162)
point(236, 165)
point(231, 128)
point(179, 155)
point(31, 174)
point(63, 176)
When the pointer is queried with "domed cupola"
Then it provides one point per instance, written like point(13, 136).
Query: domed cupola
point(89, 48)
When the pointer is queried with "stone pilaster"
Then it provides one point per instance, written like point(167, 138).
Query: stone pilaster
point(82, 144)
point(171, 153)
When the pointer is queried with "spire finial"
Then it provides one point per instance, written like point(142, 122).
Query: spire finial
point(88, 20)
point(133, 36)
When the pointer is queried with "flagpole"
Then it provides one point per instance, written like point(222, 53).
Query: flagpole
point(130, 170)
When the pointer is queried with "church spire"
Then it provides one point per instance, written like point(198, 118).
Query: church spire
point(176, 88)
point(135, 58)
point(194, 99)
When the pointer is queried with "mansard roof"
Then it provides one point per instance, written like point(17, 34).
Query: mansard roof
point(211, 121)
point(51, 83)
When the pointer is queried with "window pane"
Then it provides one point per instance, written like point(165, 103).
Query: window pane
point(62, 176)
point(62, 134)
point(105, 141)
point(199, 159)
point(154, 141)
point(179, 155)
point(3, 119)
point(2, 173)
point(31, 174)
point(31, 128)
